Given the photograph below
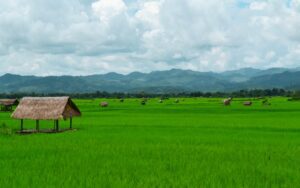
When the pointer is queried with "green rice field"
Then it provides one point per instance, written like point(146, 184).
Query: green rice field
point(196, 143)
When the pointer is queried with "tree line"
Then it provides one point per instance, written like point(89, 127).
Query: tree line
point(103, 94)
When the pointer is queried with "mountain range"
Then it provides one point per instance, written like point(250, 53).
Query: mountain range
point(174, 80)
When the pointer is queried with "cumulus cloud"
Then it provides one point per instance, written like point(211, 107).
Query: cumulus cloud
point(82, 37)
point(108, 9)
point(258, 5)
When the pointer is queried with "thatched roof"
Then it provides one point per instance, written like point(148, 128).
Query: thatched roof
point(46, 108)
point(8, 102)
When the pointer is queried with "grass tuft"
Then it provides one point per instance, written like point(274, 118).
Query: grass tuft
point(5, 131)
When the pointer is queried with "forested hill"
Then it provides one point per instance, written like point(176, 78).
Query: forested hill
point(174, 80)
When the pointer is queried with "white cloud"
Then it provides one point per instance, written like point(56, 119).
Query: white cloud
point(258, 5)
point(108, 9)
point(98, 36)
point(149, 14)
point(270, 55)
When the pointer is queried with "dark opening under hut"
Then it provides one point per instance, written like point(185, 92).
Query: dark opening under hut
point(46, 108)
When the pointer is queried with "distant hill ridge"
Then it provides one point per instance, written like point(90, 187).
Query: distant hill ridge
point(174, 80)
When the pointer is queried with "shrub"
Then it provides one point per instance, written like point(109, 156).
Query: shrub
point(4, 130)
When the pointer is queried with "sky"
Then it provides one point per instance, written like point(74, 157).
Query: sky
point(83, 37)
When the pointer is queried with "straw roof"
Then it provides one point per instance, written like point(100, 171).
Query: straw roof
point(46, 108)
point(8, 102)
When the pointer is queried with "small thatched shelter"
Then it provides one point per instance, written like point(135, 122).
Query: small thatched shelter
point(7, 104)
point(46, 108)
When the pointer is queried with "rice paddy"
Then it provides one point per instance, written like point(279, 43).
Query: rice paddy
point(197, 142)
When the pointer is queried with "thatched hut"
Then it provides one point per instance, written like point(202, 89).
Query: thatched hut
point(7, 104)
point(46, 108)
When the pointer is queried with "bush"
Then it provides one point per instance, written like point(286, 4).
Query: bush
point(295, 96)
point(4, 130)
point(294, 99)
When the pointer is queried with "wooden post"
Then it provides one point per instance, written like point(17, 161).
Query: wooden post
point(22, 125)
point(57, 126)
point(71, 122)
point(37, 125)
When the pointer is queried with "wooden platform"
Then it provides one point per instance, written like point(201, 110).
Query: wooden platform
point(46, 131)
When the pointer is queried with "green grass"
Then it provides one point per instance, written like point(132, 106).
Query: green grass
point(196, 143)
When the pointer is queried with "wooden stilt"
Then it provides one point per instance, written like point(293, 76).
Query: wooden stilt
point(71, 122)
point(22, 125)
point(37, 125)
point(57, 125)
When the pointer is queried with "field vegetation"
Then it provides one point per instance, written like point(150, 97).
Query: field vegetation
point(197, 142)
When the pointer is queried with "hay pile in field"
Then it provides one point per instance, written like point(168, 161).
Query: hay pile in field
point(247, 103)
point(104, 104)
point(227, 102)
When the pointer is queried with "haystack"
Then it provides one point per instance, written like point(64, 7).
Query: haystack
point(227, 102)
point(247, 103)
point(104, 104)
